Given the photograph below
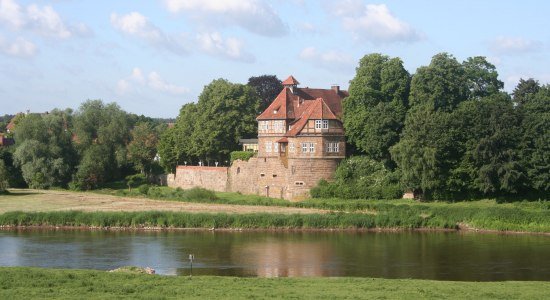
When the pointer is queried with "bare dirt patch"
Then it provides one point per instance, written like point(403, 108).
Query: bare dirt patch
point(52, 200)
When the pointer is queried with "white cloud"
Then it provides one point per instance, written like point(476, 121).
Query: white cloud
point(18, 48)
point(331, 60)
point(256, 16)
point(230, 48)
point(136, 25)
point(43, 20)
point(513, 45)
point(10, 13)
point(123, 87)
point(136, 81)
point(157, 83)
point(307, 27)
point(373, 22)
point(47, 21)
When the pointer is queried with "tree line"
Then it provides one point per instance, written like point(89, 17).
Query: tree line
point(80, 149)
point(449, 131)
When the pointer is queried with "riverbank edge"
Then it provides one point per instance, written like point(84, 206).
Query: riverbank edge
point(32, 282)
point(277, 229)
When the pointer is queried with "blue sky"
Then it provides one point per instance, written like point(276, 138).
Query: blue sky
point(151, 57)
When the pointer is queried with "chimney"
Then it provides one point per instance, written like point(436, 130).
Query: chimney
point(335, 87)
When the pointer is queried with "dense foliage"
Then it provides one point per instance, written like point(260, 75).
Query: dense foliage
point(242, 155)
point(209, 130)
point(267, 87)
point(360, 177)
point(456, 133)
point(83, 149)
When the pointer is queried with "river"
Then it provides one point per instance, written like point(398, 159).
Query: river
point(464, 256)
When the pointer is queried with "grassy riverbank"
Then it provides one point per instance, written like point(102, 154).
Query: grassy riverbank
point(31, 283)
point(51, 208)
point(400, 217)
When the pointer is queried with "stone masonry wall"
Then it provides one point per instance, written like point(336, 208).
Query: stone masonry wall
point(211, 178)
point(265, 176)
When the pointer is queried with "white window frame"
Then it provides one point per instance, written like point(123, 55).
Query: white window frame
point(325, 124)
point(304, 147)
point(329, 147)
point(275, 147)
point(311, 147)
point(267, 146)
point(291, 147)
point(336, 147)
point(318, 124)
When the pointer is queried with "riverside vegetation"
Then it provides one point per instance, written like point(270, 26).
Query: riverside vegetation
point(25, 283)
point(342, 214)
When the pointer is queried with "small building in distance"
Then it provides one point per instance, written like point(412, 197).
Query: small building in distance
point(300, 141)
point(250, 145)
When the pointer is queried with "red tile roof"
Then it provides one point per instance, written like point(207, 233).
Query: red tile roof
point(290, 81)
point(297, 105)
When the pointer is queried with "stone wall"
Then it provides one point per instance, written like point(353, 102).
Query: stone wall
point(211, 178)
point(265, 176)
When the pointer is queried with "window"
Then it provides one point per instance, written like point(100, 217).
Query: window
point(291, 147)
point(304, 147)
point(325, 124)
point(298, 182)
point(318, 124)
point(267, 146)
point(311, 147)
point(275, 147)
point(333, 147)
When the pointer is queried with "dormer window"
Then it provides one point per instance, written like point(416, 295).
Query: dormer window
point(275, 111)
point(318, 124)
point(321, 124)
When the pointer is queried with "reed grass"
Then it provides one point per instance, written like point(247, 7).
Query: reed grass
point(397, 216)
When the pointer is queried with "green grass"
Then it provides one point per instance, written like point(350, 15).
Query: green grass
point(348, 205)
point(34, 283)
point(385, 216)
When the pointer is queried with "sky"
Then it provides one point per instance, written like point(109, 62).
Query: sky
point(151, 57)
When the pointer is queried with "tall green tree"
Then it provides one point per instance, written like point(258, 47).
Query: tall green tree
point(143, 147)
point(105, 125)
point(374, 112)
point(525, 90)
point(490, 137)
point(441, 85)
point(267, 87)
point(226, 113)
point(427, 151)
point(44, 150)
point(4, 177)
point(535, 142)
point(482, 77)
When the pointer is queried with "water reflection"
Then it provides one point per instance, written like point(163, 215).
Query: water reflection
point(444, 256)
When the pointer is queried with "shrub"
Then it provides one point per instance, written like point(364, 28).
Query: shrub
point(143, 189)
point(242, 155)
point(135, 180)
point(360, 178)
point(200, 193)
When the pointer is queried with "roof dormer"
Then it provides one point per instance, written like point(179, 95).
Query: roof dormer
point(291, 83)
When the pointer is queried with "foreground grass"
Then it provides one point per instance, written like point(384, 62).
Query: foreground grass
point(401, 216)
point(31, 283)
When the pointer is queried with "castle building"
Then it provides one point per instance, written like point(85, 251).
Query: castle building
point(300, 141)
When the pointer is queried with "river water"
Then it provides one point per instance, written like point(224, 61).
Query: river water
point(464, 256)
